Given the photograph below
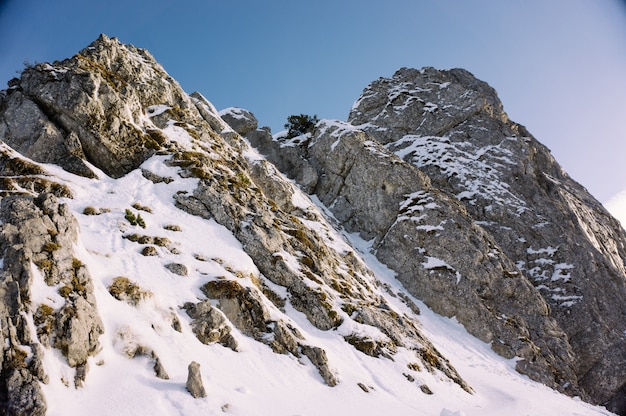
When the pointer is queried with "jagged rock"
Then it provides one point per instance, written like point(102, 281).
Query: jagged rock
point(81, 374)
point(194, 381)
point(453, 265)
point(41, 231)
point(149, 251)
point(242, 305)
point(286, 339)
point(159, 370)
point(452, 126)
point(80, 110)
point(25, 397)
point(79, 327)
point(456, 238)
point(263, 218)
point(209, 113)
point(210, 325)
point(319, 360)
point(288, 160)
point(242, 121)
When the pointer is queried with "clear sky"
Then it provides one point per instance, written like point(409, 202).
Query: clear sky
point(559, 66)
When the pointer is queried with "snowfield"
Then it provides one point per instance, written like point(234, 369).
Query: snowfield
point(255, 380)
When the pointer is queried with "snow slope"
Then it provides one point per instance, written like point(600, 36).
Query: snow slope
point(253, 381)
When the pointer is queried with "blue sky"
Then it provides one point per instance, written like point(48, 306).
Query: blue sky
point(559, 66)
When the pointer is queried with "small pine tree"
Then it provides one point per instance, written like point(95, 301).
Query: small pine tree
point(299, 125)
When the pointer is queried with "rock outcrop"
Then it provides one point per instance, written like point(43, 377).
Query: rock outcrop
point(38, 234)
point(452, 127)
point(478, 221)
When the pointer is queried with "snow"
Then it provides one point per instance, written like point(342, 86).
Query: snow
point(234, 112)
point(155, 110)
point(255, 380)
point(478, 169)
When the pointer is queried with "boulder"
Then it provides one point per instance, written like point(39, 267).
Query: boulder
point(194, 381)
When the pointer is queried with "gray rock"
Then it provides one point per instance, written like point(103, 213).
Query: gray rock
point(242, 121)
point(289, 160)
point(177, 268)
point(319, 360)
point(25, 232)
point(159, 370)
point(41, 231)
point(452, 126)
point(210, 325)
point(52, 117)
point(79, 328)
point(453, 265)
point(194, 381)
point(25, 396)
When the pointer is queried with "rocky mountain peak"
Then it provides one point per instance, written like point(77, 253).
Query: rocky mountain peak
point(426, 102)
point(491, 189)
point(142, 232)
point(92, 108)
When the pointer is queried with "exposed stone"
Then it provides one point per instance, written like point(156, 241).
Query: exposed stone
point(79, 327)
point(159, 370)
point(25, 396)
point(453, 265)
point(41, 231)
point(319, 360)
point(194, 381)
point(242, 121)
point(210, 325)
point(177, 268)
point(149, 251)
point(242, 305)
point(452, 126)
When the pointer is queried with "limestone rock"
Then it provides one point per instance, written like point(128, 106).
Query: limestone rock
point(454, 266)
point(79, 328)
point(90, 107)
point(194, 381)
point(242, 121)
point(210, 325)
point(25, 395)
point(177, 268)
point(319, 360)
point(452, 127)
point(39, 230)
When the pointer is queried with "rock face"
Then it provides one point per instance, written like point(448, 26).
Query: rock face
point(471, 212)
point(452, 127)
point(478, 220)
point(40, 232)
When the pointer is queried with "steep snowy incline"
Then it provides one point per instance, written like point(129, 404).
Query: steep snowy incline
point(253, 380)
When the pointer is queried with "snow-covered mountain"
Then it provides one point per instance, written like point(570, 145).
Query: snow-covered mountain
point(143, 237)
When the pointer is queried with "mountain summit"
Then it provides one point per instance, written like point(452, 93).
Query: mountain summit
point(426, 256)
